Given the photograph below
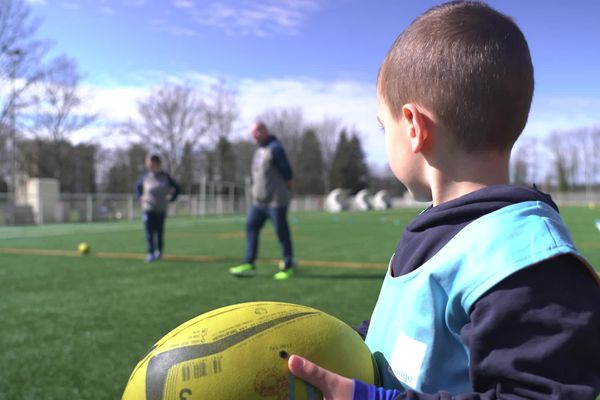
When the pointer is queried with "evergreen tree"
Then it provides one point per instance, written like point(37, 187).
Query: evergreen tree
point(349, 169)
point(116, 181)
point(128, 166)
point(136, 157)
point(309, 174)
point(223, 161)
point(244, 152)
point(339, 163)
point(358, 170)
point(187, 168)
point(75, 171)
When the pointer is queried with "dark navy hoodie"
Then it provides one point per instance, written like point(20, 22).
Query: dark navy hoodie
point(535, 335)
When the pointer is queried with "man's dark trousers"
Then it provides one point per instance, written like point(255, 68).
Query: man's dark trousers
point(257, 216)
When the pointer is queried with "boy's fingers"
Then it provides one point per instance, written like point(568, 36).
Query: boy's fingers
point(332, 385)
point(308, 371)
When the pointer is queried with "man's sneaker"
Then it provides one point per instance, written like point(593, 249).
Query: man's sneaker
point(243, 270)
point(150, 258)
point(157, 255)
point(285, 274)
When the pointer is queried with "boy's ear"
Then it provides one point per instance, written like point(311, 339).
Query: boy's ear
point(418, 132)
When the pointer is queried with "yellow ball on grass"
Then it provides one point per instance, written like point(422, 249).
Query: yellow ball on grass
point(83, 248)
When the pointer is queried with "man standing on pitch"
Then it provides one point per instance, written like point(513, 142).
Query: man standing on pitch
point(271, 184)
point(155, 189)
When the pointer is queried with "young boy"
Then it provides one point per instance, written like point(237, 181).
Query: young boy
point(154, 189)
point(486, 296)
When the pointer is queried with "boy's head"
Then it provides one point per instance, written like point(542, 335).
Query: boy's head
point(154, 163)
point(470, 67)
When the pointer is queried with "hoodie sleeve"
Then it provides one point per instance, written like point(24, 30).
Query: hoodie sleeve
point(363, 391)
point(281, 162)
point(176, 188)
point(533, 336)
point(139, 187)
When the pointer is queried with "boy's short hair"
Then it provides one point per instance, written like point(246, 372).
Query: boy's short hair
point(469, 65)
point(155, 159)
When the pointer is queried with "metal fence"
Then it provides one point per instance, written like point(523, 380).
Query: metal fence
point(111, 207)
point(81, 207)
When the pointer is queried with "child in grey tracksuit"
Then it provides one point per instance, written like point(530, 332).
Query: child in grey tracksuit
point(155, 189)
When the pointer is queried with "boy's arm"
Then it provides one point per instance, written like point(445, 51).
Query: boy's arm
point(139, 187)
point(176, 188)
point(532, 336)
point(536, 333)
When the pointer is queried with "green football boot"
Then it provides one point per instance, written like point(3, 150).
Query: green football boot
point(243, 270)
point(285, 272)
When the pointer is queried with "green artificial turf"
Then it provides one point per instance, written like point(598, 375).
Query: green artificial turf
point(75, 326)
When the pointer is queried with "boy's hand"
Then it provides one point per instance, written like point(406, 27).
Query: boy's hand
point(332, 385)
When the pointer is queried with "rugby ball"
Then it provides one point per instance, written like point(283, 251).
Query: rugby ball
point(241, 352)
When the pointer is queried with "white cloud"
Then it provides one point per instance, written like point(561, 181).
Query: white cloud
point(183, 3)
point(561, 113)
point(116, 104)
point(258, 17)
point(36, 2)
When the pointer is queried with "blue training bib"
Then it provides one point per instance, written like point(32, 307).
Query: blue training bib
point(415, 328)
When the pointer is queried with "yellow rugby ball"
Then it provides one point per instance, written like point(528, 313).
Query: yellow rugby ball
point(83, 248)
point(240, 352)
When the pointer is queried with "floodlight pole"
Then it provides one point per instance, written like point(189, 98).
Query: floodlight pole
point(15, 54)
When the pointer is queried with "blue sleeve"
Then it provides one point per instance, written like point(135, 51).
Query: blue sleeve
point(363, 328)
point(176, 188)
point(139, 187)
point(281, 162)
point(363, 391)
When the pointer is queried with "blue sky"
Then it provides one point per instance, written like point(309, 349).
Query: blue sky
point(319, 55)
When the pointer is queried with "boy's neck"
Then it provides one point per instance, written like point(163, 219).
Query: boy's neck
point(466, 174)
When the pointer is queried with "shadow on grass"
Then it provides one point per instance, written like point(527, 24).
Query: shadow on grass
point(308, 275)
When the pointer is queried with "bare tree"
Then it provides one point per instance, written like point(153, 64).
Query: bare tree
point(56, 115)
point(526, 161)
point(222, 110)
point(564, 155)
point(21, 56)
point(57, 112)
point(327, 132)
point(122, 167)
point(21, 66)
point(222, 113)
point(590, 161)
point(519, 166)
point(595, 158)
point(244, 151)
point(170, 117)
